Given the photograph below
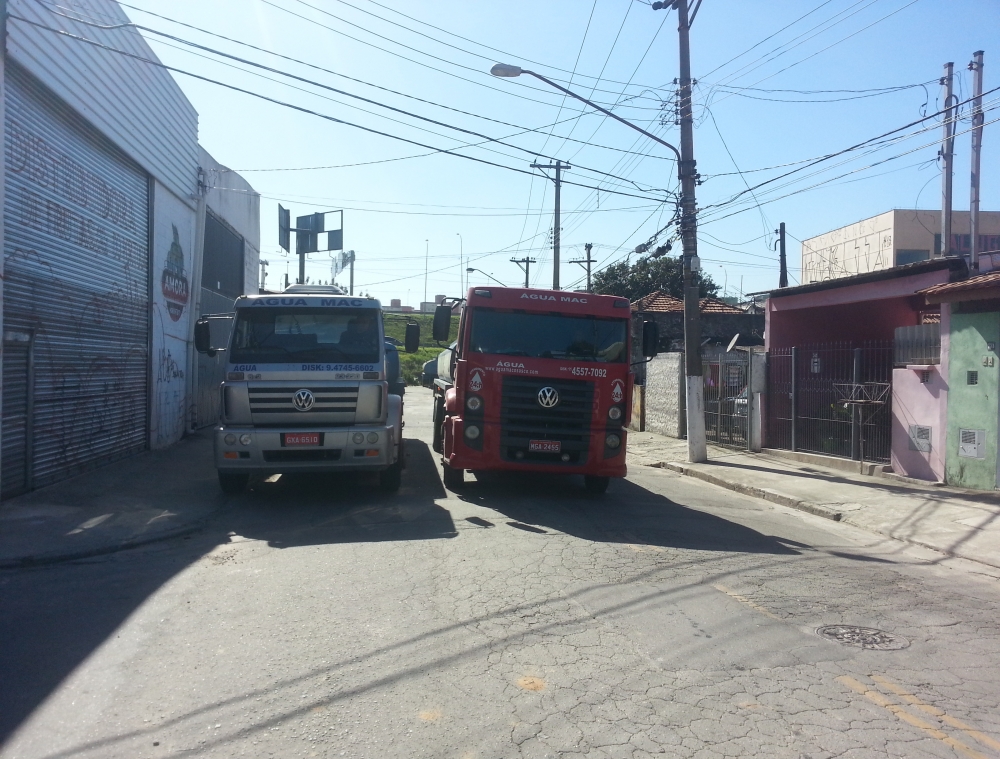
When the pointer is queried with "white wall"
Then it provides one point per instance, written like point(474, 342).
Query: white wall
point(855, 249)
point(174, 224)
point(665, 395)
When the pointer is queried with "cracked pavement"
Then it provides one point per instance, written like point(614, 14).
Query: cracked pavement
point(315, 617)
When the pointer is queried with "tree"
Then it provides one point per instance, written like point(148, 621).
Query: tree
point(647, 275)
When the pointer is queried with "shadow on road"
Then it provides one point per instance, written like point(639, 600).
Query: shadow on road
point(627, 513)
point(52, 618)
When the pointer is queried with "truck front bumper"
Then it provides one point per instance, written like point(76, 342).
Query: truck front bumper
point(253, 450)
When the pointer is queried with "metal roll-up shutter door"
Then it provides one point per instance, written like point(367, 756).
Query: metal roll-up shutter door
point(15, 434)
point(77, 278)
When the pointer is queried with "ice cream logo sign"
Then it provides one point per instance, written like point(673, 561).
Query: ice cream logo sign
point(617, 391)
point(174, 282)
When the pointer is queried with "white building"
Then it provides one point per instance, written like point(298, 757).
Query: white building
point(112, 219)
point(893, 238)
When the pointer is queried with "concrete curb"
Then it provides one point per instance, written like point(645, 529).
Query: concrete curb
point(765, 494)
point(41, 560)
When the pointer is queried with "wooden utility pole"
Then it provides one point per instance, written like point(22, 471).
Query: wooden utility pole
point(947, 155)
point(782, 261)
point(977, 148)
point(525, 264)
point(558, 166)
point(586, 262)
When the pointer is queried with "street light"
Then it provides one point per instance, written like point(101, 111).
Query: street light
point(461, 262)
point(470, 270)
point(688, 175)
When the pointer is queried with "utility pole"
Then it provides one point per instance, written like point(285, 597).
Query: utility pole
point(977, 148)
point(558, 166)
point(586, 262)
point(427, 256)
point(695, 395)
point(525, 264)
point(947, 157)
point(263, 272)
point(782, 261)
point(351, 291)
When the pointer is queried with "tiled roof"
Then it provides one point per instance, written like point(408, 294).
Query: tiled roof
point(660, 302)
point(981, 282)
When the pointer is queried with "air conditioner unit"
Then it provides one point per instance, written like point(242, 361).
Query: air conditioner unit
point(972, 444)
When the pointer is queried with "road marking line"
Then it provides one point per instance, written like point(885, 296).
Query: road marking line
point(934, 711)
point(748, 602)
point(877, 698)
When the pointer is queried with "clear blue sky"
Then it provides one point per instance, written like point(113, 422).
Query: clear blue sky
point(792, 52)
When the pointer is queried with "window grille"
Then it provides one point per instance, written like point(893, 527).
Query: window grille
point(972, 378)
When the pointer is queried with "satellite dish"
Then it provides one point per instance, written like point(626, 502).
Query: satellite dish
point(732, 343)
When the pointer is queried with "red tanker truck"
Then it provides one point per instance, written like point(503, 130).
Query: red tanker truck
point(537, 381)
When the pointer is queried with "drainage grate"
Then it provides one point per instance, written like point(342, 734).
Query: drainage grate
point(863, 637)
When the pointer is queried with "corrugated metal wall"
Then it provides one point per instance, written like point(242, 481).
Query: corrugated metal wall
point(14, 478)
point(77, 276)
point(138, 106)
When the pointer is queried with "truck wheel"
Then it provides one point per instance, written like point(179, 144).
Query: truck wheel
point(596, 485)
point(453, 478)
point(437, 445)
point(233, 483)
point(390, 479)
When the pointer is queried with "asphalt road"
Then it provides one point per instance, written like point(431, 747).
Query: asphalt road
point(315, 617)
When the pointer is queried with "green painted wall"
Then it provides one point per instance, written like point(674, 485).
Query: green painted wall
point(973, 406)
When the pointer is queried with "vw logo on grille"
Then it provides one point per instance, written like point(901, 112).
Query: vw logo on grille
point(548, 397)
point(303, 400)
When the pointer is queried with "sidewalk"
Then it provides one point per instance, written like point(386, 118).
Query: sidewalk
point(955, 522)
point(152, 496)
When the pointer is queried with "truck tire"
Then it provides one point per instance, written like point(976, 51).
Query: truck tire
point(596, 485)
point(454, 479)
point(233, 483)
point(437, 445)
point(390, 479)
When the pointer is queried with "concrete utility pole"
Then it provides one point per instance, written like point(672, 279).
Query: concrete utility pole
point(461, 265)
point(351, 291)
point(695, 395)
point(263, 273)
point(586, 262)
point(558, 166)
point(427, 258)
point(782, 261)
point(947, 157)
point(525, 264)
point(977, 148)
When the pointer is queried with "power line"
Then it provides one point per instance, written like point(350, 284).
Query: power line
point(446, 151)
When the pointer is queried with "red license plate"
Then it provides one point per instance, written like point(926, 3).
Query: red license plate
point(544, 446)
point(302, 438)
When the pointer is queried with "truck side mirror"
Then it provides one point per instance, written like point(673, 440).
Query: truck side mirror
point(412, 341)
point(202, 336)
point(442, 323)
point(650, 339)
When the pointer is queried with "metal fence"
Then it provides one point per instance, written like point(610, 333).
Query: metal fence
point(726, 377)
point(831, 399)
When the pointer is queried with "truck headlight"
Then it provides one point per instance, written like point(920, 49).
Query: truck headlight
point(245, 439)
point(230, 439)
point(614, 413)
point(359, 438)
point(612, 441)
point(472, 432)
point(372, 437)
point(474, 403)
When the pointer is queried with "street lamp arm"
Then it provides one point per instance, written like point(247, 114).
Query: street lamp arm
point(508, 70)
point(470, 270)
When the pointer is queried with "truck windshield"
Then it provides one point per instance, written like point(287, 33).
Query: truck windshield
point(575, 338)
point(273, 335)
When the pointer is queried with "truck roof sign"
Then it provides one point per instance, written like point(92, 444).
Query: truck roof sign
point(308, 301)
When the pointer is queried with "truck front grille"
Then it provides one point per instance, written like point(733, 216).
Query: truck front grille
point(524, 419)
point(273, 405)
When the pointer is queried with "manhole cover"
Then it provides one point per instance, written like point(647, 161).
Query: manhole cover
point(863, 637)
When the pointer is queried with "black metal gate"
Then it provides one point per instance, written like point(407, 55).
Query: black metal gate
point(831, 399)
point(727, 398)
